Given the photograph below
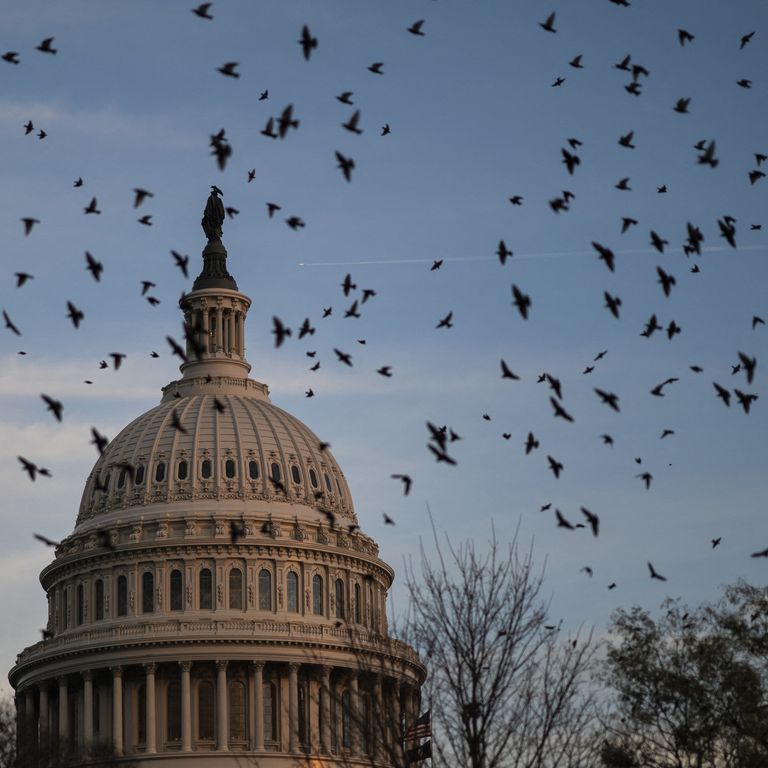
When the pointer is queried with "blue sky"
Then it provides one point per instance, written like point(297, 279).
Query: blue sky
point(131, 99)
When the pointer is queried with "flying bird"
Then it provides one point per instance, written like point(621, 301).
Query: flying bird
point(681, 106)
point(592, 519)
point(626, 140)
point(612, 303)
point(74, 314)
point(12, 57)
point(415, 28)
point(684, 36)
point(351, 124)
point(562, 522)
point(559, 410)
point(506, 373)
point(343, 357)
point(92, 207)
point(93, 266)
point(182, 262)
point(28, 224)
point(666, 280)
point(407, 482)
point(202, 11)
point(446, 322)
point(22, 278)
point(609, 398)
point(522, 301)
point(575, 62)
point(376, 68)
point(345, 97)
point(531, 443)
point(345, 165)
point(307, 42)
point(655, 574)
point(722, 393)
point(228, 69)
point(280, 331)
point(503, 252)
point(555, 466)
point(548, 25)
point(605, 254)
point(47, 46)
point(745, 39)
point(56, 407)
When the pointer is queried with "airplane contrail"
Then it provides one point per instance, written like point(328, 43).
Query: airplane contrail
point(552, 254)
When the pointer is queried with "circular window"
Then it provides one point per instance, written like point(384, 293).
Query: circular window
point(182, 470)
point(229, 468)
point(253, 469)
point(296, 474)
point(206, 468)
point(313, 477)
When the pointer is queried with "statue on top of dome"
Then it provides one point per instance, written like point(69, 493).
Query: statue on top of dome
point(213, 216)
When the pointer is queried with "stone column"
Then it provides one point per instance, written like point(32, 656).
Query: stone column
point(293, 707)
point(325, 710)
point(30, 721)
point(88, 709)
point(219, 329)
point(149, 688)
point(380, 718)
point(186, 706)
point(63, 711)
point(239, 333)
point(355, 712)
point(117, 710)
point(44, 727)
point(222, 737)
point(206, 338)
point(258, 684)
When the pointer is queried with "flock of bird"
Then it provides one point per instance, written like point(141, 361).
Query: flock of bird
point(442, 437)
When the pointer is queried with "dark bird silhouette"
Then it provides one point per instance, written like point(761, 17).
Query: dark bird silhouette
point(93, 266)
point(286, 121)
point(722, 393)
point(522, 301)
point(681, 106)
point(343, 357)
point(634, 88)
point(441, 455)
point(271, 208)
point(22, 277)
point(531, 443)
point(74, 314)
point(607, 440)
point(182, 262)
point(755, 176)
point(549, 24)
point(570, 159)
point(345, 97)
point(684, 36)
point(666, 433)
point(516, 200)
point(117, 359)
point(605, 254)
point(348, 285)
point(748, 364)
point(559, 410)
point(446, 322)
point(745, 39)
point(407, 482)
point(307, 42)
point(146, 285)
point(646, 477)
point(202, 12)
point(28, 128)
point(658, 243)
point(562, 522)
point(436, 264)
point(626, 223)
point(47, 46)
point(12, 57)
point(728, 230)
point(506, 373)
point(745, 399)
point(387, 519)
point(376, 68)
point(100, 441)
point(626, 140)
point(345, 165)
point(327, 311)
point(177, 349)
point(309, 393)
point(673, 329)
point(588, 369)
point(176, 422)
point(655, 574)
point(236, 531)
point(600, 355)
point(503, 252)
point(756, 319)
point(744, 83)
point(707, 156)
point(45, 540)
point(306, 329)
point(612, 303)
point(28, 224)
point(228, 69)
point(555, 466)
point(41, 134)
point(623, 184)
point(592, 519)
point(78, 182)
point(385, 370)
point(56, 407)
point(146, 220)
point(662, 189)
point(280, 331)
point(657, 390)
point(92, 206)
point(368, 293)
point(32, 469)
point(762, 553)
point(665, 280)
point(558, 82)
point(624, 64)
point(575, 62)
point(415, 28)
point(140, 195)
point(352, 311)
point(103, 364)
point(352, 124)
point(269, 129)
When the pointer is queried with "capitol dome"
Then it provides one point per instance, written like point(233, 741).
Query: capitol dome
point(217, 599)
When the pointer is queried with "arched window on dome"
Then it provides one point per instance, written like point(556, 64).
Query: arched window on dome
point(206, 589)
point(277, 473)
point(236, 589)
point(271, 711)
point(80, 604)
point(173, 712)
point(358, 604)
point(206, 469)
point(328, 482)
point(147, 592)
point(139, 478)
point(313, 477)
point(317, 595)
point(104, 487)
point(99, 599)
point(182, 470)
point(141, 720)
point(339, 599)
point(121, 478)
point(177, 590)
point(292, 588)
point(122, 596)
point(295, 474)
point(338, 485)
point(160, 472)
point(229, 468)
point(237, 731)
point(205, 712)
point(265, 590)
point(253, 469)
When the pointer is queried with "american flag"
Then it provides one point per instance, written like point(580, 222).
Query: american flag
point(421, 728)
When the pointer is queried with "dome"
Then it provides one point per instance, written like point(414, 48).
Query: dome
point(219, 440)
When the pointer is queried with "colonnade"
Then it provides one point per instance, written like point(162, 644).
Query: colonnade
point(218, 329)
point(280, 707)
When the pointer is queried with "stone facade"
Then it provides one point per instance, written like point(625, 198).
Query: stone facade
point(217, 599)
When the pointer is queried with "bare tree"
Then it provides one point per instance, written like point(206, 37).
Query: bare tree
point(7, 732)
point(505, 690)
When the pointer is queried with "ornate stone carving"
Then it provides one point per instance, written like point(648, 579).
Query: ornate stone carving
point(190, 528)
point(162, 530)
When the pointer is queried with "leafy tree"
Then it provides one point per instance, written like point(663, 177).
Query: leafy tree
point(690, 687)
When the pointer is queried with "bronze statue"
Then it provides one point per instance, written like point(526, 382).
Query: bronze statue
point(213, 217)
